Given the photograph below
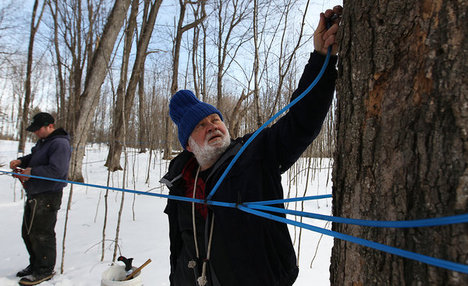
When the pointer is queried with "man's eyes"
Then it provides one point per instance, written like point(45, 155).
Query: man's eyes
point(213, 121)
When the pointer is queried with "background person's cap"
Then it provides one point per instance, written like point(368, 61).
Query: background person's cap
point(39, 120)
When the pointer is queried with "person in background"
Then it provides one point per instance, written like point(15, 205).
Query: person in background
point(212, 245)
point(50, 157)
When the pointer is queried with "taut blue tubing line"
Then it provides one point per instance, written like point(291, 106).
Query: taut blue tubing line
point(407, 254)
point(272, 202)
point(400, 252)
point(261, 205)
point(178, 198)
point(247, 143)
point(375, 223)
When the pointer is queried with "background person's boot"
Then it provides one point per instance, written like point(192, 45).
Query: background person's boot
point(35, 278)
point(26, 271)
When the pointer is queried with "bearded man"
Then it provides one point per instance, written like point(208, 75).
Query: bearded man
point(213, 245)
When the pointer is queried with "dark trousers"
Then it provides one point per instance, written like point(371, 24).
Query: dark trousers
point(38, 230)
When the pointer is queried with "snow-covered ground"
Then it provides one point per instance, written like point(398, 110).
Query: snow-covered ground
point(144, 227)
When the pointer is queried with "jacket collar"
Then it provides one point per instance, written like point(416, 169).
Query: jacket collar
point(59, 132)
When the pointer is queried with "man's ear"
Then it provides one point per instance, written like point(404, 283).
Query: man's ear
point(188, 147)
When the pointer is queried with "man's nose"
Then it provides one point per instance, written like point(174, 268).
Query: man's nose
point(212, 127)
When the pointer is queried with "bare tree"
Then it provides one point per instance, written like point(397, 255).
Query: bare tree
point(286, 57)
point(27, 96)
point(76, 26)
point(402, 143)
point(256, 90)
point(113, 156)
point(143, 124)
point(195, 46)
point(61, 92)
point(94, 79)
point(229, 15)
point(90, 96)
point(180, 30)
point(7, 25)
point(73, 38)
point(271, 46)
point(122, 118)
point(119, 108)
point(203, 66)
point(113, 159)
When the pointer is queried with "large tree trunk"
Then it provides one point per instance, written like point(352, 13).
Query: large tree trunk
point(94, 79)
point(402, 141)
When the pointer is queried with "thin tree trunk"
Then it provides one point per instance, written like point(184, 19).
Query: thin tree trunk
point(27, 85)
point(67, 212)
point(75, 45)
point(124, 184)
point(196, 83)
point(309, 167)
point(204, 66)
point(106, 211)
point(143, 142)
point(119, 219)
point(61, 102)
point(115, 146)
point(286, 62)
point(123, 117)
point(256, 91)
point(180, 30)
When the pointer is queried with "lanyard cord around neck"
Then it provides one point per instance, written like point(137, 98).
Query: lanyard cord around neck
point(202, 279)
point(193, 214)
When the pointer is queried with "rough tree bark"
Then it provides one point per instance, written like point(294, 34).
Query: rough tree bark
point(402, 140)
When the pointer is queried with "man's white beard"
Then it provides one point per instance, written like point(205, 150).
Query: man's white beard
point(208, 154)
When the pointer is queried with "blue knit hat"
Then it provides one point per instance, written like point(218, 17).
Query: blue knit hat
point(187, 111)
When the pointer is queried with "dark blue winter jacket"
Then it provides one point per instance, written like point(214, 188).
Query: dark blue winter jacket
point(248, 250)
point(50, 158)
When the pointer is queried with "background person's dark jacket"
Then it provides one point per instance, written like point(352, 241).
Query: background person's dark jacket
point(246, 249)
point(50, 158)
